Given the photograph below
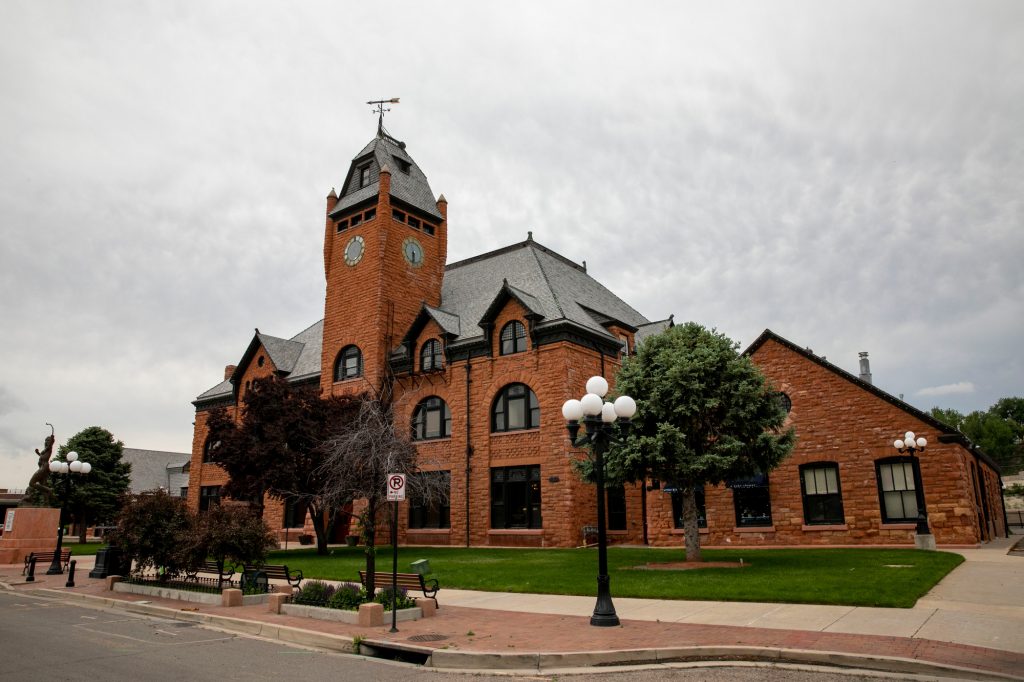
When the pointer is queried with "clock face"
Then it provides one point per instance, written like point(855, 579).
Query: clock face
point(413, 252)
point(354, 250)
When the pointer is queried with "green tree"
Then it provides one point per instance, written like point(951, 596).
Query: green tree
point(156, 530)
point(274, 449)
point(998, 431)
point(705, 414)
point(96, 497)
point(235, 532)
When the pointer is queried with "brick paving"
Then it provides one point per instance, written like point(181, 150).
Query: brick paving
point(486, 630)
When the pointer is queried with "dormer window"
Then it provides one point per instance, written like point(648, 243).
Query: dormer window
point(430, 356)
point(402, 164)
point(364, 175)
point(513, 338)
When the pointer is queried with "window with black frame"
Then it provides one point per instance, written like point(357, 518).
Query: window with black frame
point(677, 507)
point(209, 496)
point(515, 497)
point(433, 511)
point(432, 419)
point(616, 507)
point(431, 358)
point(752, 501)
point(208, 449)
point(515, 408)
point(294, 514)
point(896, 490)
point(823, 499)
point(349, 364)
point(513, 338)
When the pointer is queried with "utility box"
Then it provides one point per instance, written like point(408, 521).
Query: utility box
point(421, 566)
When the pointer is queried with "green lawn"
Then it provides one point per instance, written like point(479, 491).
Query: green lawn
point(77, 549)
point(853, 577)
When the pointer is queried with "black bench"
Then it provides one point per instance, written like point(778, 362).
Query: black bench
point(410, 581)
point(277, 572)
point(45, 557)
point(211, 568)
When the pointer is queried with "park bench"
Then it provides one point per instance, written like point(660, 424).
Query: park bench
point(410, 581)
point(211, 568)
point(47, 557)
point(276, 572)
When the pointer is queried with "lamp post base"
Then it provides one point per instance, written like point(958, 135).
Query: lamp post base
point(924, 541)
point(604, 610)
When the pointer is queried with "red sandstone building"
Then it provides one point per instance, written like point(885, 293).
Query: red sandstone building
point(480, 355)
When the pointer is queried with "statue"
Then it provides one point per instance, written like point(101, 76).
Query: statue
point(39, 494)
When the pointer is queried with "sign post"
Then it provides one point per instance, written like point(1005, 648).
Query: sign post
point(396, 494)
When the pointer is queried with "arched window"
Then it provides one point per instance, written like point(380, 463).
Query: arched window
point(430, 356)
point(515, 408)
point(208, 449)
point(432, 419)
point(513, 338)
point(349, 364)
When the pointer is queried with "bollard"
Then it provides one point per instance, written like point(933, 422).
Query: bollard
point(31, 578)
point(71, 574)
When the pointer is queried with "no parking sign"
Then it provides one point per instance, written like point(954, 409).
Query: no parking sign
point(396, 487)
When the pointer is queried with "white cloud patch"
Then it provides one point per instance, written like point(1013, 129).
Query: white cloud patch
point(948, 389)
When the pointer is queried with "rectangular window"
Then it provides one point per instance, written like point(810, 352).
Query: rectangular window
point(413, 222)
point(370, 215)
point(515, 497)
point(364, 175)
point(428, 227)
point(398, 215)
point(294, 514)
point(431, 511)
point(183, 492)
point(896, 490)
point(342, 225)
point(616, 507)
point(752, 501)
point(677, 507)
point(823, 501)
point(355, 220)
point(209, 496)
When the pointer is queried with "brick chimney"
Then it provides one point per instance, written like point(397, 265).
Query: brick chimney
point(228, 371)
point(865, 367)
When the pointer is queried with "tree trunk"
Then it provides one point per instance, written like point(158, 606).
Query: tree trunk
point(690, 524)
point(316, 515)
point(370, 531)
point(82, 528)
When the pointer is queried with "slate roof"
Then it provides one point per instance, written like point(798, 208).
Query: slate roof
point(651, 329)
point(149, 467)
point(409, 186)
point(555, 288)
point(946, 432)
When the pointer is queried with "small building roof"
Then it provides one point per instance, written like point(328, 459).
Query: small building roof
point(149, 468)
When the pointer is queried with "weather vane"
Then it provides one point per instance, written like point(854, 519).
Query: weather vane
point(380, 109)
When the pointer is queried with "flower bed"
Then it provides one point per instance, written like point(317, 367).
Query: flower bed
point(183, 593)
point(324, 601)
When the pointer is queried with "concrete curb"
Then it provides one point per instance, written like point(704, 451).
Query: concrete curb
point(547, 662)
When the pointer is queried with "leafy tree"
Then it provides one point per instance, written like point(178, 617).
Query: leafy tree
point(95, 498)
point(274, 451)
point(235, 532)
point(156, 530)
point(705, 414)
point(999, 431)
point(357, 461)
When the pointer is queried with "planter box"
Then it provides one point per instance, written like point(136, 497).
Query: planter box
point(185, 595)
point(341, 615)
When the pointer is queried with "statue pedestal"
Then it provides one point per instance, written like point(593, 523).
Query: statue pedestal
point(34, 529)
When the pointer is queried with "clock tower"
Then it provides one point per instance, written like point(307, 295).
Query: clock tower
point(385, 246)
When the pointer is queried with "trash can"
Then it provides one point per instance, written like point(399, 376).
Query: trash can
point(110, 561)
point(421, 566)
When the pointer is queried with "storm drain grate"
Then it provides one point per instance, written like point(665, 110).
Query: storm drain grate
point(427, 638)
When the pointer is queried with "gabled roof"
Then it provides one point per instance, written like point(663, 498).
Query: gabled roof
point(552, 287)
point(297, 358)
point(408, 183)
point(448, 323)
point(652, 328)
point(508, 292)
point(946, 432)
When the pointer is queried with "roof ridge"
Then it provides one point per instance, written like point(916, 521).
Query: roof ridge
point(306, 330)
point(512, 247)
point(547, 281)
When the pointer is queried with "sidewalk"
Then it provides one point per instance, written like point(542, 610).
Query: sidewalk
point(971, 626)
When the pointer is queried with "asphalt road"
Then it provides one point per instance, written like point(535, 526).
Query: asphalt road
point(47, 639)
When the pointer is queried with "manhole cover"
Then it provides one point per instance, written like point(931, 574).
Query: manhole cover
point(427, 638)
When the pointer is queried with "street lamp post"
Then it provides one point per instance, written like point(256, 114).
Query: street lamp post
point(72, 465)
point(913, 445)
point(598, 417)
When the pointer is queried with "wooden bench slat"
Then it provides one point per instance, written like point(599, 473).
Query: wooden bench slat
point(41, 557)
point(407, 580)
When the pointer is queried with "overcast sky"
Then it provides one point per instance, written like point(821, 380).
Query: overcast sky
point(848, 174)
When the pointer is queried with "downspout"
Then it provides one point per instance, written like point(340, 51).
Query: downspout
point(469, 447)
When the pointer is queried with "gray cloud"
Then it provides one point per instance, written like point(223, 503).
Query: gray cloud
point(846, 174)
